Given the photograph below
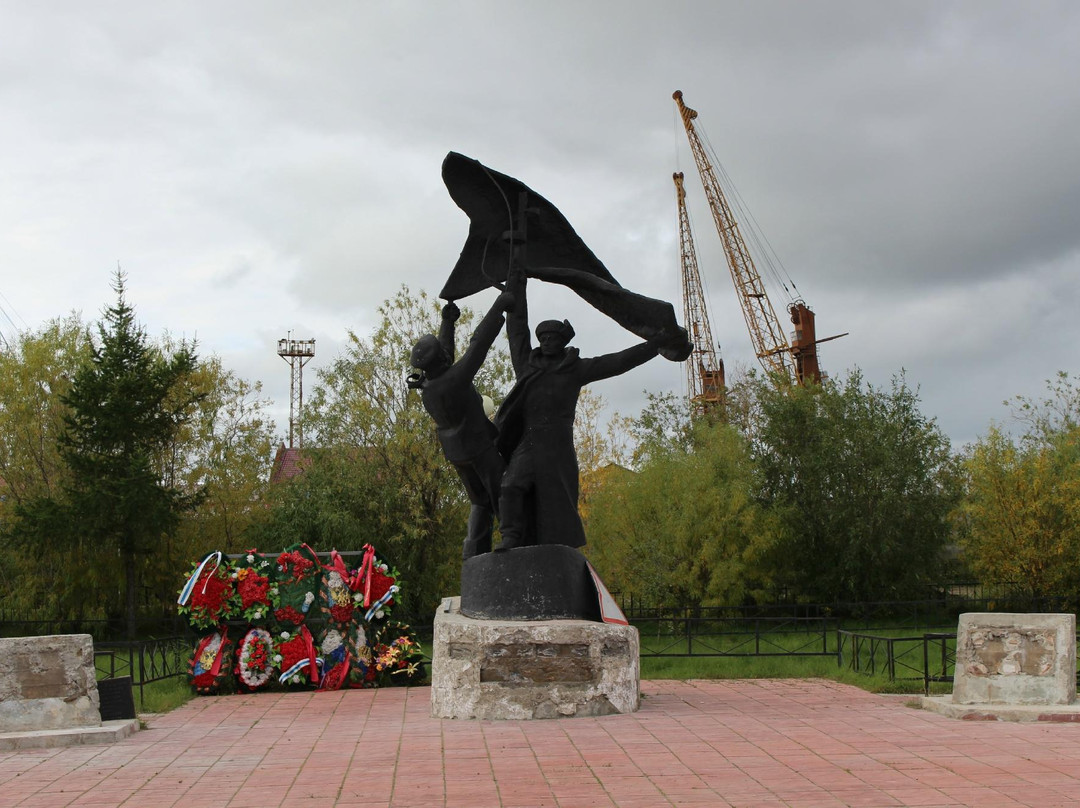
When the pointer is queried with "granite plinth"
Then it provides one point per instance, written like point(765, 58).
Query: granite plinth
point(541, 582)
point(1013, 667)
point(48, 683)
point(515, 669)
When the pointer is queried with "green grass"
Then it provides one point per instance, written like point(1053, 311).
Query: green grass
point(777, 668)
point(163, 696)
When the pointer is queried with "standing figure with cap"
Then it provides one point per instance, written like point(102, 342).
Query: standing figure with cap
point(466, 434)
point(538, 503)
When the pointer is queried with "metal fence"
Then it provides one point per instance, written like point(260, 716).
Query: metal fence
point(145, 661)
point(929, 657)
point(719, 636)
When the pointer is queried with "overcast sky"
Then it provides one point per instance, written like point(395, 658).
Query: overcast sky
point(264, 167)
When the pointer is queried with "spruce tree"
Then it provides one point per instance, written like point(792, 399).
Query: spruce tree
point(125, 407)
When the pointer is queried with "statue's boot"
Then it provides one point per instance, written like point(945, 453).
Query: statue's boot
point(478, 539)
point(511, 519)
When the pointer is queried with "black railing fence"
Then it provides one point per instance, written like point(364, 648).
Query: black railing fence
point(898, 639)
point(716, 635)
point(145, 661)
point(929, 657)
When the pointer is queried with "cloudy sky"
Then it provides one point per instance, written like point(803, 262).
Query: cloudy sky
point(264, 167)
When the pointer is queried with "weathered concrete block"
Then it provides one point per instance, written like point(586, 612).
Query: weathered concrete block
point(48, 683)
point(1011, 658)
point(506, 669)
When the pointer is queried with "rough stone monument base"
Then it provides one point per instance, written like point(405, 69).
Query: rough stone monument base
point(49, 695)
point(1013, 667)
point(513, 669)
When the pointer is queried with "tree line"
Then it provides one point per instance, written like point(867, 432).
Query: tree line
point(123, 458)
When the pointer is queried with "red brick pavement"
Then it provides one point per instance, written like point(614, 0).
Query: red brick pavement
point(808, 743)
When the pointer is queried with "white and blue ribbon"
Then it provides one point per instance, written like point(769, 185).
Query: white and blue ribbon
point(295, 669)
point(185, 593)
point(379, 604)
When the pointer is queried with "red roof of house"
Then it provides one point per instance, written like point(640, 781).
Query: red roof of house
point(288, 462)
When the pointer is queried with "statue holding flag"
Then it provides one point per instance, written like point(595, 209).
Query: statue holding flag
point(516, 234)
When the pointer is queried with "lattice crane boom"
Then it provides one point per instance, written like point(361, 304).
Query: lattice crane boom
point(766, 335)
point(704, 368)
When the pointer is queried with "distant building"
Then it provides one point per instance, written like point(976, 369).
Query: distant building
point(288, 463)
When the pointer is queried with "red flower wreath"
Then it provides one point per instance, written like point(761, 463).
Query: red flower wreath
point(253, 588)
point(287, 614)
point(293, 565)
point(341, 614)
point(380, 585)
point(208, 593)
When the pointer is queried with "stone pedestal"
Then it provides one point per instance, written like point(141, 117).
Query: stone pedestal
point(49, 695)
point(1014, 667)
point(506, 669)
point(543, 582)
point(48, 683)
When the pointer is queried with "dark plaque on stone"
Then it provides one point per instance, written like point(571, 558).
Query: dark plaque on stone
point(542, 582)
point(117, 701)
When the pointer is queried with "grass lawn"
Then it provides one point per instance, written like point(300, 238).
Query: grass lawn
point(778, 668)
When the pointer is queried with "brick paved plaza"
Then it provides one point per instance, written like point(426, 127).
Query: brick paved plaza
point(808, 743)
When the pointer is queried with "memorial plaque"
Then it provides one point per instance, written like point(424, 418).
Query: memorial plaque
point(41, 675)
point(117, 700)
point(539, 663)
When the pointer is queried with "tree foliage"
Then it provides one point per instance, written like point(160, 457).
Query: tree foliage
point(35, 373)
point(685, 530)
point(222, 454)
point(1020, 520)
point(862, 484)
point(122, 459)
point(114, 509)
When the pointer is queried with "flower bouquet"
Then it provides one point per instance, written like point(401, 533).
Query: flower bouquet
point(298, 576)
point(257, 594)
point(210, 663)
point(255, 660)
point(338, 600)
point(294, 657)
point(340, 657)
point(377, 582)
point(398, 656)
point(208, 594)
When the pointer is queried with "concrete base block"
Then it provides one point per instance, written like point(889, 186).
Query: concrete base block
point(107, 732)
point(514, 669)
point(1057, 713)
point(48, 683)
point(1015, 659)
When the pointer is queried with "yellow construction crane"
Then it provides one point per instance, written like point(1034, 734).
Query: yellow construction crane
point(704, 368)
point(796, 360)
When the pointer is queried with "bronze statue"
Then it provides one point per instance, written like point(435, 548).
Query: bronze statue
point(514, 232)
point(539, 499)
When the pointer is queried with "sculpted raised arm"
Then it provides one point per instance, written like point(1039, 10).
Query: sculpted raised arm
point(517, 321)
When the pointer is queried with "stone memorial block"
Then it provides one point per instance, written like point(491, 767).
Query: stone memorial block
point(1010, 658)
point(506, 669)
point(48, 683)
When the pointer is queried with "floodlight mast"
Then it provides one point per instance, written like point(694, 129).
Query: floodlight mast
point(297, 352)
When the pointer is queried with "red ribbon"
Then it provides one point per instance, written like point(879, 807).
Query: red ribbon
point(309, 643)
point(364, 575)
